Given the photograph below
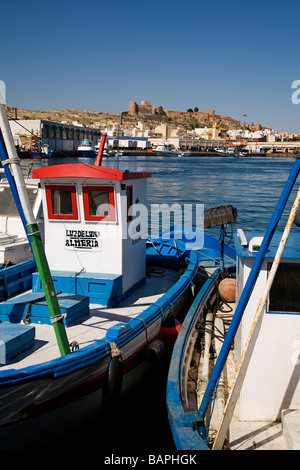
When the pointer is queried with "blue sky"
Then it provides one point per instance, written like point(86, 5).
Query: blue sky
point(235, 57)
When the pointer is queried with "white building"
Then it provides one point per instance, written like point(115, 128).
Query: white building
point(128, 142)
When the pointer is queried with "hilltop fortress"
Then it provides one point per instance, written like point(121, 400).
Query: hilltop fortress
point(145, 108)
point(147, 111)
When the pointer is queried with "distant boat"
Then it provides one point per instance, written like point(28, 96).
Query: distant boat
point(107, 151)
point(230, 152)
point(187, 153)
point(226, 152)
point(86, 149)
point(41, 152)
point(164, 150)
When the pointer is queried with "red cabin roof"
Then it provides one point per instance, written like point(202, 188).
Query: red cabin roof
point(80, 170)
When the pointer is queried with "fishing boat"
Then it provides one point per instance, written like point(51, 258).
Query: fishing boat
point(107, 151)
point(86, 149)
point(102, 299)
point(164, 150)
point(227, 152)
point(186, 153)
point(233, 380)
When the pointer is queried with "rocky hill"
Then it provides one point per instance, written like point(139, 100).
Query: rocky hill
point(87, 118)
point(187, 120)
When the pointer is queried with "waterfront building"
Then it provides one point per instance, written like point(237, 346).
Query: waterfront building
point(128, 142)
point(58, 136)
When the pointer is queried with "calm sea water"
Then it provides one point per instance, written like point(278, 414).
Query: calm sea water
point(253, 186)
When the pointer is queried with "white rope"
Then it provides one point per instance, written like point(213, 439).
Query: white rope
point(10, 161)
point(115, 351)
point(56, 318)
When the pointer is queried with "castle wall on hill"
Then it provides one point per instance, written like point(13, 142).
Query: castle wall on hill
point(200, 114)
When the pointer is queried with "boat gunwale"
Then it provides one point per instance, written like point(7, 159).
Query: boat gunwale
point(181, 421)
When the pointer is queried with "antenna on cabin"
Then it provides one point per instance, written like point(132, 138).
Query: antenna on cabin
point(100, 151)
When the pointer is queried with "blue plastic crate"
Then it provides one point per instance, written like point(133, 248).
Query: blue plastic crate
point(14, 310)
point(105, 289)
point(14, 339)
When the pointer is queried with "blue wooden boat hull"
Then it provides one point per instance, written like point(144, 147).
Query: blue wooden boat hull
point(184, 423)
point(77, 382)
point(30, 396)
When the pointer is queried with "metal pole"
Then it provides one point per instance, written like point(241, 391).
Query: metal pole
point(12, 184)
point(35, 236)
point(222, 239)
point(250, 343)
point(246, 295)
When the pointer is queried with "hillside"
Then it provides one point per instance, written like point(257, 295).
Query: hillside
point(187, 120)
point(87, 118)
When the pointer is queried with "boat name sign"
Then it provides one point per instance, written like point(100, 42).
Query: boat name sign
point(83, 240)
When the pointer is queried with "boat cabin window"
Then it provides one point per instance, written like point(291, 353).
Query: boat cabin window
point(99, 203)
point(284, 293)
point(8, 206)
point(61, 202)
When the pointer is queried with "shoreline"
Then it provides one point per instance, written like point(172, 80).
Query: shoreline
point(142, 153)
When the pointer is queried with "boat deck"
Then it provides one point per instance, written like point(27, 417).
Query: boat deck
point(100, 319)
point(258, 435)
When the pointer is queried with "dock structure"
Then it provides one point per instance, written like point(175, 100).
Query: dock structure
point(58, 136)
point(282, 146)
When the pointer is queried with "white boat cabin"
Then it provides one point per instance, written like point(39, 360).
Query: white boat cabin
point(271, 383)
point(94, 244)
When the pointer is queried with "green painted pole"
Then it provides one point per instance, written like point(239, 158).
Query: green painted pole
point(48, 287)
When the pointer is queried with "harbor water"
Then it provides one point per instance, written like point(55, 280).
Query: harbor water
point(253, 186)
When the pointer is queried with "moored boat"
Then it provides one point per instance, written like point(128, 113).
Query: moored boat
point(107, 150)
point(233, 381)
point(86, 149)
point(91, 325)
point(164, 150)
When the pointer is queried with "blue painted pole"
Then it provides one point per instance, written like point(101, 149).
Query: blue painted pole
point(222, 240)
point(12, 184)
point(246, 295)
